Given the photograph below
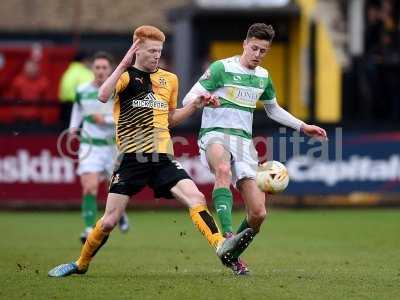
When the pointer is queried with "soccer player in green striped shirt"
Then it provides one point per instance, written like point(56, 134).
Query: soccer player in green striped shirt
point(225, 137)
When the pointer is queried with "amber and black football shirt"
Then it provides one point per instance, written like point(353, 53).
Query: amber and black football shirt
point(142, 103)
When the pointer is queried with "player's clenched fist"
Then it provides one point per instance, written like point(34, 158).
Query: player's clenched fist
point(207, 99)
point(127, 61)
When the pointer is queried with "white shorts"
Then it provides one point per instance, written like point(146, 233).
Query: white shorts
point(96, 159)
point(244, 157)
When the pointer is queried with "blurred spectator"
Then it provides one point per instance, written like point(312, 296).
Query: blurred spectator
point(374, 25)
point(388, 15)
point(29, 87)
point(78, 72)
point(386, 57)
point(381, 69)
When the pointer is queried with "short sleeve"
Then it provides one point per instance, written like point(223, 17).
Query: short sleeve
point(212, 79)
point(269, 92)
point(122, 82)
point(174, 93)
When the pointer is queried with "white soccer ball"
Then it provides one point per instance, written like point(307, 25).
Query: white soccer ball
point(272, 177)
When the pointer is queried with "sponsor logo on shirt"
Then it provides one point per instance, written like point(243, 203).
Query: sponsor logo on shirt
point(150, 102)
point(243, 97)
point(246, 94)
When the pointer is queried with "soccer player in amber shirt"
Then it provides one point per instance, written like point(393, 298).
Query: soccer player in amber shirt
point(144, 110)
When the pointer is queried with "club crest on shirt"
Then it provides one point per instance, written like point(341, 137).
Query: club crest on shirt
point(162, 82)
point(261, 84)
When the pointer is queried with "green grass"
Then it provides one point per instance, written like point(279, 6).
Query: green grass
point(319, 254)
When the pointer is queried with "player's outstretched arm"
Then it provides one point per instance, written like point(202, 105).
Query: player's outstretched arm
point(177, 116)
point(108, 87)
point(278, 114)
point(76, 118)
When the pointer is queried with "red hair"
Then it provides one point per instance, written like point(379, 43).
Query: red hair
point(148, 32)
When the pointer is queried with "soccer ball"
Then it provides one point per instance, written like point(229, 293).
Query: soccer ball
point(272, 177)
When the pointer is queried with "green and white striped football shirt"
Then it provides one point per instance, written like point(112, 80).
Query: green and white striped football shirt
point(85, 106)
point(238, 89)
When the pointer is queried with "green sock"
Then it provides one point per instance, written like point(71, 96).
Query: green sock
point(243, 226)
point(89, 210)
point(222, 199)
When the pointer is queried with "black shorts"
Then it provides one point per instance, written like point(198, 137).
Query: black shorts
point(136, 170)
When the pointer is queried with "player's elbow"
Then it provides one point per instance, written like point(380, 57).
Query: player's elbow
point(103, 95)
point(174, 118)
point(171, 122)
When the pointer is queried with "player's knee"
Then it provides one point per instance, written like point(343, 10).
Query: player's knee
point(108, 223)
point(90, 190)
point(197, 198)
point(257, 216)
point(223, 172)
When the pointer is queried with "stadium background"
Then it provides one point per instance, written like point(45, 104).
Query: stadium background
point(320, 63)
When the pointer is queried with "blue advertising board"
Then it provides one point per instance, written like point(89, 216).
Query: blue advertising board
point(349, 162)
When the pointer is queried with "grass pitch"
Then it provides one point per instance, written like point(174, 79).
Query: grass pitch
point(319, 254)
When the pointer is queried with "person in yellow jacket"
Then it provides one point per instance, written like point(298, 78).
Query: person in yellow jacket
point(77, 73)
